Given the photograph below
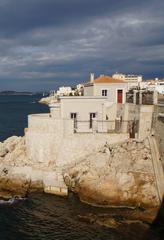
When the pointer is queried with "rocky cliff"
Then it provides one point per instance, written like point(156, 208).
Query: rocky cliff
point(115, 175)
point(17, 175)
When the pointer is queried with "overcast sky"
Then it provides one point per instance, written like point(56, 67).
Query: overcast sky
point(48, 43)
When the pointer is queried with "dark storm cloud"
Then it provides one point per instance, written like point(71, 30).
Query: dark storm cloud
point(46, 43)
point(21, 15)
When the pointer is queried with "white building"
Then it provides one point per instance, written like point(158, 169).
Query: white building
point(64, 91)
point(85, 114)
point(132, 79)
point(106, 86)
point(159, 87)
point(153, 85)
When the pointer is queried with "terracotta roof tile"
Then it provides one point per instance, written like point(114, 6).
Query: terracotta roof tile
point(103, 79)
point(107, 79)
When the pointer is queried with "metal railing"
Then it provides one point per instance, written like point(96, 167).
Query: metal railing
point(106, 126)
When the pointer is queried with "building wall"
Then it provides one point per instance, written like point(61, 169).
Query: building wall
point(159, 129)
point(112, 90)
point(145, 121)
point(82, 106)
point(43, 139)
point(88, 91)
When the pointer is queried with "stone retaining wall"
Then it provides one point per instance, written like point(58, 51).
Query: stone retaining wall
point(48, 143)
point(158, 126)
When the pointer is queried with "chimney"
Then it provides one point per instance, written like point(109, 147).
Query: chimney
point(92, 76)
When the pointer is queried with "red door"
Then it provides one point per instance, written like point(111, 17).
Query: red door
point(119, 96)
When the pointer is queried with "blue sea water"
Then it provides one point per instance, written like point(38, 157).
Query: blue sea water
point(14, 111)
point(47, 217)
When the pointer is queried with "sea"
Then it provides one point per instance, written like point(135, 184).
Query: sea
point(48, 217)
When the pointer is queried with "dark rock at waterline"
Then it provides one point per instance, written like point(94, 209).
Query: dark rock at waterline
point(13, 187)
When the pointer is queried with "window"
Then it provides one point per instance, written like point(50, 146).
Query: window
point(91, 116)
point(73, 115)
point(104, 92)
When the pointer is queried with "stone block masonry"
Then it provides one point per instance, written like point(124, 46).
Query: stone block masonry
point(48, 144)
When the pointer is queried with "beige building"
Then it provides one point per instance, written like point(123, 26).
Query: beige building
point(86, 114)
point(132, 79)
point(78, 125)
point(106, 86)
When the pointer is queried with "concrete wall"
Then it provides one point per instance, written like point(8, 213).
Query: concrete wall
point(129, 113)
point(75, 149)
point(43, 139)
point(51, 142)
point(106, 113)
point(145, 121)
point(158, 125)
point(88, 91)
point(157, 167)
point(83, 107)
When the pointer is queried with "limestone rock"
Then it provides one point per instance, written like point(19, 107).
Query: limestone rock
point(11, 143)
point(125, 177)
point(3, 150)
point(45, 100)
point(14, 186)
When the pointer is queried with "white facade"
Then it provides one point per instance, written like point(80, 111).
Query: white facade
point(85, 114)
point(111, 90)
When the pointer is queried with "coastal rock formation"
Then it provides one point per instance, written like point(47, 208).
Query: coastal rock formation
point(117, 175)
point(12, 152)
point(16, 174)
point(19, 175)
point(45, 100)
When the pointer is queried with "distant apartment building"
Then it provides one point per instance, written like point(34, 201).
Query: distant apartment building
point(132, 79)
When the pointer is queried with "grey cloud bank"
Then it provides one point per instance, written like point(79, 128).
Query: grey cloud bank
point(48, 43)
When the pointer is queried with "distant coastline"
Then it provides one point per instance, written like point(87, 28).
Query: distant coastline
point(17, 93)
